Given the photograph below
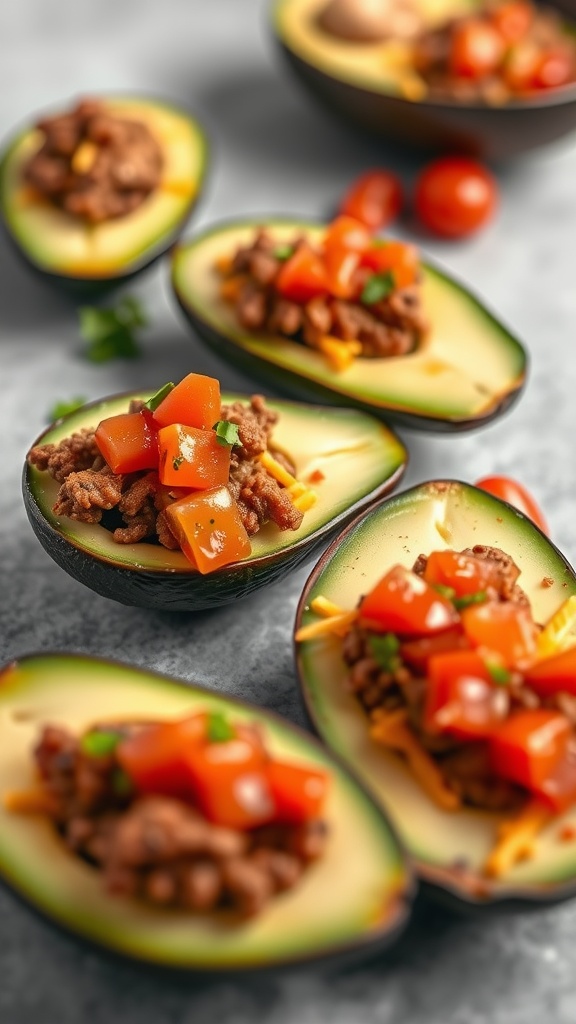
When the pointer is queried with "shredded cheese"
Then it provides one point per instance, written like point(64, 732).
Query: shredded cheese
point(303, 497)
point(336, 625)
point(224, 264)
point(555, 635)
point(28, 801)
point(231, 287)
point(516, 838)
point(84, 157)
point(322, 606)
point(340, 354)
point(391, 729)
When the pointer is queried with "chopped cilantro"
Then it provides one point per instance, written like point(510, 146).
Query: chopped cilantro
point(110, 332)
point(121, 783)
point(100, 742)
point(447, 592)
point(177, 461)
point(384, 650)
point(65, 407)
point(284, 252)
point(218, 729)
point(377, 287)
point(159, 396)
point(468, 599)
point(498, 673)
point(227, 434)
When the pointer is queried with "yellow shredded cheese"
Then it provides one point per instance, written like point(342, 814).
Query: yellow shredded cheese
point(28, 801)
point(303, 497)
point(322, 606)
point(335, 625)
point(84, 157)
point(305, 501)
point(391, 729)
point(340, 354)
point(555, 635)
point(516, 838)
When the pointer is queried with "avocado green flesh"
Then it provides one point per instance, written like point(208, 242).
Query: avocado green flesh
point(383, 66)
point(355, 453)
point(62, 244)
point(422, 520)
point(463, 370)
point(332, 908)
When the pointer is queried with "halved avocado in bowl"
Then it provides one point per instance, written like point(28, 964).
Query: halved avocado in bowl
point(334, 909)
point(86, 257)
point(370, 84)
point(466, 372)
point(450, 848)
point(355, 457)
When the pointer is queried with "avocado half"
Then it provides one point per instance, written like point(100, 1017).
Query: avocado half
point(449, 849)
point(359, 458)
point(358, 895)
point(467, 372)
point(87, 257)
point(367, 84)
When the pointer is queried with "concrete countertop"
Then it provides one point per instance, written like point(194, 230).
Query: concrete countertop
point(273, 151)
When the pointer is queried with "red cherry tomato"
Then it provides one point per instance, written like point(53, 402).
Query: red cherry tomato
point(375, 198)
point(455, 196)
point(513, 19)
point(477, 49)
point(521, 66)
point(509, 490)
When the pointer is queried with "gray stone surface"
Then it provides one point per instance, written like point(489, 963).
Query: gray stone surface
point(272, 152)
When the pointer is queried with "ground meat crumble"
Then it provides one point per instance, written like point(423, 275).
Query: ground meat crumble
point(160, 848)
point(132, 506)
point(94, 164)
point(391, 327)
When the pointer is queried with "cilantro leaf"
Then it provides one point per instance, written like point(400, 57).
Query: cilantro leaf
point(498, 673)
point(377, 287)
point(448, 592)
point(227, 434)
point(384, 650)
point(110, 332)
point(122, 783)
point(100, 742)
point(219, 729)
point(469, 599)
point(65, 406)
point(284, 252)
point(159, 396)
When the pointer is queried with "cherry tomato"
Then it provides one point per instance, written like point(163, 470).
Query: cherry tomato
point(375, 198)
point(477, 49)
point(461, 697)
point(403, 602)
point(455, 196)
point(515, 494)
point(512, 19)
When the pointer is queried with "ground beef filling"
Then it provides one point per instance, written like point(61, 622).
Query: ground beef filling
point(162, 849)
point(95, 165)
point(392, 327)
point(132, 506)
point(464, 766)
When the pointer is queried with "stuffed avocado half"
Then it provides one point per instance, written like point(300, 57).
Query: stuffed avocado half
point(453, 848)
point(71, 250)
point(332, 909)
point(465, 372)
point(354, 457)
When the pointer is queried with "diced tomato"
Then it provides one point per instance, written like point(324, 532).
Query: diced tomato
point(512, 19)
point(535, 749)
point(503, 627)
point(303, 276)
point(521, 65)
point(507, 489)
point(195, 402)
point(466, 574)
point(553, 675)
point(477, 49)
point(555, 68)
point(399, 257)
point(462, 698)
point(341, 266)
point(209, 529)
point(404, 603)
point(347, 233)
point(375, 199)
point(153, 757)
point(127, 443)
point(417, 653)
point(190, 457)
point(229, 781)
point(299, 793)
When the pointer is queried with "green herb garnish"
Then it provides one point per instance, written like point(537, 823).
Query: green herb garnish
point(100, 742)
point(153, 403)
point(110, 332)
point(64, 408)
point(227, 434)
point(499, 675)
point(384, 650)
point(121, 783)
point(377, 287)
point(218, 729)
point(177, 461)
point(284, 252)
point(448, 592)
point(468, 599)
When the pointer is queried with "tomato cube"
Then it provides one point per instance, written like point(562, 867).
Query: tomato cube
point(127, 442)
point(209, 529)
point(403, 602)
point(299, 793)
point(535, 749)
point(462, 698)
point(192, 458)
point(195, 402)
point(503, 627)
